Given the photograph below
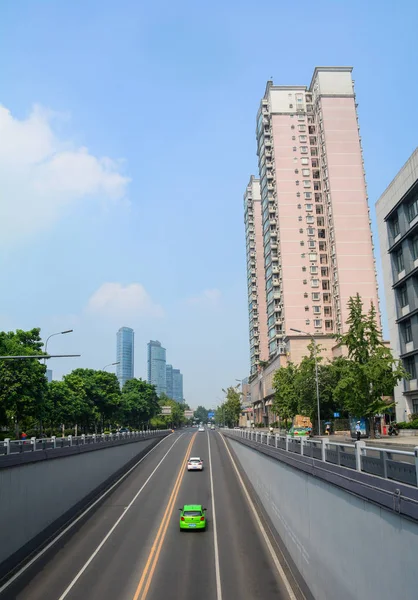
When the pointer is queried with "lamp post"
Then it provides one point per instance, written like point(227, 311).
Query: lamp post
point(52, 335)
point(316, 374)
point(111, 365)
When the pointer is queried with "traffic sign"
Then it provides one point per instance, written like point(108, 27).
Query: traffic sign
point(166, 410)
point(211, 415)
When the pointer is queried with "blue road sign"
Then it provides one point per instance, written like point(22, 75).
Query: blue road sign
point(211, 415)
point(336, 415)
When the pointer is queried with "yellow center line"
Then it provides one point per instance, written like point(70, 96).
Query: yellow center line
point(159, 538)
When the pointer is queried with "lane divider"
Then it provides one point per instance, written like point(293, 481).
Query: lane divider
point(149, 569)
point(112, 529)
point(83, 514)
point(215, 531)
point(266, 538)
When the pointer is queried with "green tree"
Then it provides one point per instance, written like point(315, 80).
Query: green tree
point(201, 413)
point(139, 403)
point(371, 371)
point(286, 399)
point(22, 382)
point(232, 406)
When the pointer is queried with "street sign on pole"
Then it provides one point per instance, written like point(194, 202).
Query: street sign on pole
point(189, 414)
point(211, 415)
point(166, 410)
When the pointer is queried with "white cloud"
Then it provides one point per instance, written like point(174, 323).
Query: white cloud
point(117, 301)
point(41, 176)
point(206, 298)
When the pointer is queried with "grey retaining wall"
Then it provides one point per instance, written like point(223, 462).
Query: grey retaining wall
point(345, 547)
point(35, 497)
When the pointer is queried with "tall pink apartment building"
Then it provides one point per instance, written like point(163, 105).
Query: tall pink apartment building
point(316, 234)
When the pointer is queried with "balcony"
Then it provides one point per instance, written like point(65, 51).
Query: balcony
point(274, 245)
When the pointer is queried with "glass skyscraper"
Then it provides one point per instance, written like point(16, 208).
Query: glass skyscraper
point(169, 380)
point(125, 355)
point(156, 363)
point(177, 385)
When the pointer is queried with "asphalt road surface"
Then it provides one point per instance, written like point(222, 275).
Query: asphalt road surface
point(130, 546)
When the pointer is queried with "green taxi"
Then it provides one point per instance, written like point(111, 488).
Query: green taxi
point(192, 516)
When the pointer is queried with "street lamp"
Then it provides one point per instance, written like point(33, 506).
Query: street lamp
point(110, 365)
point(52, 335)
point(316, 373)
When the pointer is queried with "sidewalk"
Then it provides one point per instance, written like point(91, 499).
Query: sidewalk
point(407, 442)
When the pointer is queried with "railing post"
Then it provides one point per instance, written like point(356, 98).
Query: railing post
point(359, 446)
point(287, 442)
point(384, 457)
point(416, 461)
point(324, 450)
point(93, 437)
point(54, 441)
point(103, 437)
point(7, 445)
point(83, 439)
point(302, 443)
point(33, 443)
point(70, 440)
point(275, 439)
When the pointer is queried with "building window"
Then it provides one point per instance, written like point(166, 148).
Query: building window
point(311, 231)
point(302, 243)
point(305, 295)
point(311, 244)
point(403, 296)
point(399, 260)
point(407, 332)
point(305, 161)
point(306, 183)
point(303, 269)
point(395, 226)
point(296, 171)
point(297, 182)
point(306, 172)
point(413, 209)
point(302, 138)
point(415, 247)
point(299, 205)
point(307, 322)
point(304, 149)
point(317, 323)
point(309, 207)
point(308, 195)
point(294, 148)
point(313, 256)
point(316, 296)
point(317, 310)
point(293, 137)
point(409, 364)
point(314, 283)
point(302, 127)
point(310, 220)
point(297, 194)
point(313, 269)
point(300, 218)
point(292, 127)
point(300, 230)
point(306, 308)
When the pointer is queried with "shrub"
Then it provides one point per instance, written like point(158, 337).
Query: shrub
point(408, 425)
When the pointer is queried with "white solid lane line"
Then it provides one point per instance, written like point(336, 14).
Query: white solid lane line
point(276, 561)
point(83, 514)
point(215, 533)
point(112, 529)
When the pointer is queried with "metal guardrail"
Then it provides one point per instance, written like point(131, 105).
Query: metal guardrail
point(382, 462)
point(11, 447)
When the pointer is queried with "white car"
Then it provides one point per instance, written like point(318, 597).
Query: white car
point(201, 428)
point(195, 464)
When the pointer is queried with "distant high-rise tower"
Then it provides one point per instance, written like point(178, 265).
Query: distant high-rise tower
point(177, 385)
point(169, 380)
point(317, 242)
point(157, 366)
point(125, 355)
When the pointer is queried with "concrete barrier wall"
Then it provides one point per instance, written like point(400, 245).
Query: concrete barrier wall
point(35, 495)
point(344, 547)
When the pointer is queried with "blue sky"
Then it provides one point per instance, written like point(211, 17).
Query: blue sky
point(126, 142)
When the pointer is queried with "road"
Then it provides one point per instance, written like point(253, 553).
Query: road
point(130, 547)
